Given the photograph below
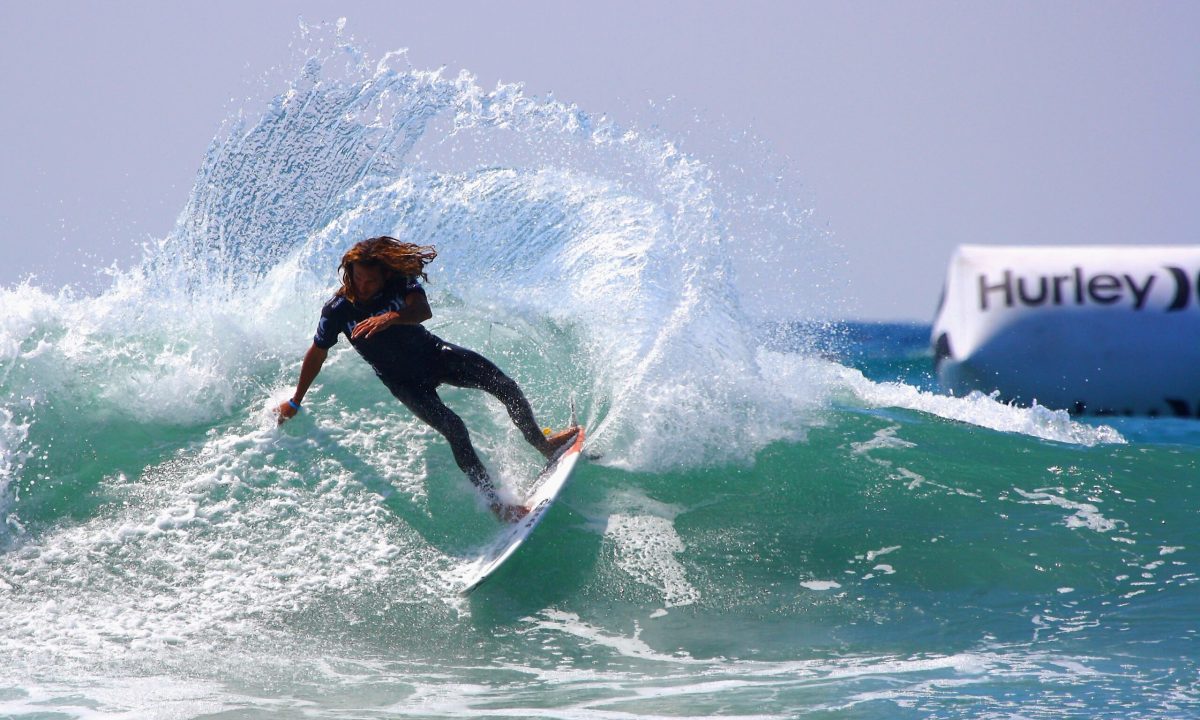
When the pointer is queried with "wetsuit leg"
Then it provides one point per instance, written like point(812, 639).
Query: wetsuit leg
point(423, 401)
point(461, 367)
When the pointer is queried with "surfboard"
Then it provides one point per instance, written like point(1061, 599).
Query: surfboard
point(548, 485)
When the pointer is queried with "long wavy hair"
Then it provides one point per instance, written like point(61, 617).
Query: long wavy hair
point(395, 257)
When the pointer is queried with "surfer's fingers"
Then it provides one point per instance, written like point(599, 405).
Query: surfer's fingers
point(367, 327)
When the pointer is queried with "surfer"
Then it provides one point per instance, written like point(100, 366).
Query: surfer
point(380, 307)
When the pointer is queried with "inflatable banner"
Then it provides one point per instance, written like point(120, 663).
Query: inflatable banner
point(1097, 330)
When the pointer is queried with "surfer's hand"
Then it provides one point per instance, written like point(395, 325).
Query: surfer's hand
point(373, 324)
point(509, 513)
point(285, 411)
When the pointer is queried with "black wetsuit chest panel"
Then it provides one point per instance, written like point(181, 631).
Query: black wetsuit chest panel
point(399, 353)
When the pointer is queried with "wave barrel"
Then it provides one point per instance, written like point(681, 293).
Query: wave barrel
point(1096, 330)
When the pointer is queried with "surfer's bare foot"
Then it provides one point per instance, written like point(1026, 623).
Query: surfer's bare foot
point(510, 513)
point(557, 440)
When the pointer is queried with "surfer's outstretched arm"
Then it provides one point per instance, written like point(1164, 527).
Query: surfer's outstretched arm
point(313, 360)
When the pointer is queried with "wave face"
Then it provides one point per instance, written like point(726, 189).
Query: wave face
point(779, 522)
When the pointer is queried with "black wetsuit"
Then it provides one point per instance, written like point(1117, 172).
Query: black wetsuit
point(412, 362)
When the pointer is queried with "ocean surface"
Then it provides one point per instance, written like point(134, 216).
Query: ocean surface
point(785, 519)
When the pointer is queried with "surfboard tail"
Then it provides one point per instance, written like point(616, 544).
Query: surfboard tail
point(547, 487)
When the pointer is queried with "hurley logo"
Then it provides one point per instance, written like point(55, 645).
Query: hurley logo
point(1078, 288)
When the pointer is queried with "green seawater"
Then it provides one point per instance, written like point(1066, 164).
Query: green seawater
point(886, 563)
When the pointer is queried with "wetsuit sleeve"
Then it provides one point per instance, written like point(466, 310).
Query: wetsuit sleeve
point(328, 328)
point(414, 285)
point(402, 291)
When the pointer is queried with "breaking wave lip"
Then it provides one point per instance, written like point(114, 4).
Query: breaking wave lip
point(830, 382)
point(985, 411)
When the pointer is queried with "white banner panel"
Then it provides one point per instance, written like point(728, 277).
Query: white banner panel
point(1091, 329)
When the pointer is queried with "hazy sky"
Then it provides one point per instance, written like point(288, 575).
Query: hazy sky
point(914, 126)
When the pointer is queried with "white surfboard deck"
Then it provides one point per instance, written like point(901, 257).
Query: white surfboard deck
point(548, 484)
